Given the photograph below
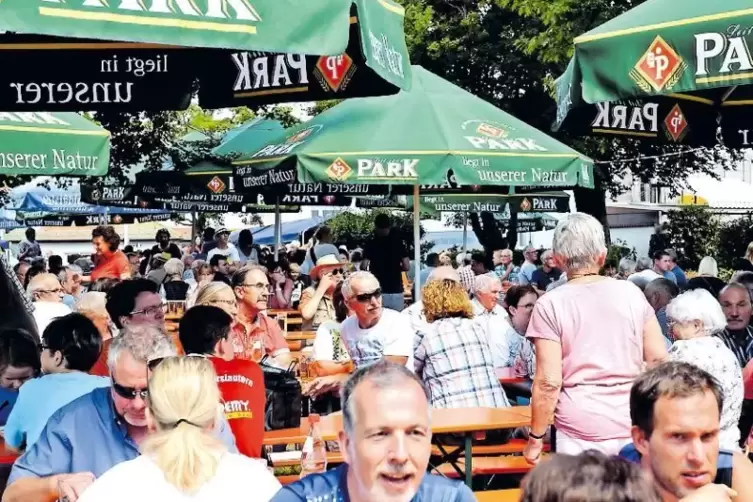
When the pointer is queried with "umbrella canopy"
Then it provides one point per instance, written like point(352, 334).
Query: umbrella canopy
point(688, 64)
point(145, 55)
point(61, 144)
point(414, 137)
point(289, 231)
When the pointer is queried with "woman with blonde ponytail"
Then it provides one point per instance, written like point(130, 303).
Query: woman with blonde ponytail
point(181, 460)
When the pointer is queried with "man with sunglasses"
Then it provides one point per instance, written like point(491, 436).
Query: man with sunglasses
point(97, 431)
point(251, 287)
point(47, 294)
point(373, 333)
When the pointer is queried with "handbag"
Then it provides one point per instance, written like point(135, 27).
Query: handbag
point(284, 397)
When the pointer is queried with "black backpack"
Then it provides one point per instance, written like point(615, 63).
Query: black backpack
point(284, 397)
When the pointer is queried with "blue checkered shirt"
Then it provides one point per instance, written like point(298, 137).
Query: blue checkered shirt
point(455, 361)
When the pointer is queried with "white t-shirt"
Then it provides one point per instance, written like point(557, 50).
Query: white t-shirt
point(324, 343)
point(392, 335)
point(236, 474)
point(231, 252)
point(252, 258)
point(46, 312)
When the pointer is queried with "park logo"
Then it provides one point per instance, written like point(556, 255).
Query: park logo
point(335, 72)
point(676, 125)
point(659, 68)
point(525, 205)
point(491, 131)
point(339, 170)
point(300, 136)
point(490, 135)
point(216, 185)
point(290, 144)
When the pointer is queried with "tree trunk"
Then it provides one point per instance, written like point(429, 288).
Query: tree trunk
point(594, 202)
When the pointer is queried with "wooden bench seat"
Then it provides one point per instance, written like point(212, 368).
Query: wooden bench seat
point(487, 466)
point(511, 495)
point(333, 457)
point(286, 480)
point(513, 446)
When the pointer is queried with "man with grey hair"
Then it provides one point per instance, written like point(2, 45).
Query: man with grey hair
point(372, 333)
point(547, 273)
point(47, 294)
point(495, 322)
point(386, 444)
point(659, 293)
point(99, 430)
point(530, 255)
point(70, 279)
point(644, 272)
point(625, 268)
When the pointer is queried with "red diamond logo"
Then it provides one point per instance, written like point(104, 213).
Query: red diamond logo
point(491, 131)
point(525, 205)
point(659, 64)
point(329, 199)
point(675, 124)
point(216, 185)
point(299, 136)
point(335, 69)
point(339, 170)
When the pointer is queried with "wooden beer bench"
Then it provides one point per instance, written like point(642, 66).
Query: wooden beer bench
point(512, 495)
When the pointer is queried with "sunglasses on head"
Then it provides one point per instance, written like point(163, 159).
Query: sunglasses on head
point(366, 297)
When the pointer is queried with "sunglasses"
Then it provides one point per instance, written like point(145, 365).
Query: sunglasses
point(337, 271)
point(366, 297)
point(153, 363)
point(129, 393)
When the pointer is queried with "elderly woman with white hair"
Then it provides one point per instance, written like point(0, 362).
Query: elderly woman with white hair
point(694, 317)
point(592, 337)
point(708, 277)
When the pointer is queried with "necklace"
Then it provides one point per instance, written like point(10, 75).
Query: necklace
point(580, 276)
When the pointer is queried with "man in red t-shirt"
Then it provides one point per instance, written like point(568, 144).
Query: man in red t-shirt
point(206, 330)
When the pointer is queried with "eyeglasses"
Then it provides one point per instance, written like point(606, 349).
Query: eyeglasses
point(151, 311)
point(58, 291)
point(129, 393)
point(226, 302)
point(366, 297)
point(258, 285)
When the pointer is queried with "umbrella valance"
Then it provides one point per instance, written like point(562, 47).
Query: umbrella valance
point(416, 137)
point(61, 144)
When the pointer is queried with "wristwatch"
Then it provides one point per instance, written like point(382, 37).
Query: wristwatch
point(535, 436)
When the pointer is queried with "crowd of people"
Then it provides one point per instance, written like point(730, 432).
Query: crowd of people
point(645, 373)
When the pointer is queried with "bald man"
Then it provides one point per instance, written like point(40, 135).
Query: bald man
point(47, 294)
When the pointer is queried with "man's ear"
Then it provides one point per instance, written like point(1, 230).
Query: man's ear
point(344, 443)
point(640, 440)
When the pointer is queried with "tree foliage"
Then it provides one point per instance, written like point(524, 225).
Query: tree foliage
point(355, 229)
point(509, 52)
point(693, 232)
point(735, 236)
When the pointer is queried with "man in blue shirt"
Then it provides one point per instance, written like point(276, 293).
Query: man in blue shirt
point(97, 431)
point(386, 444)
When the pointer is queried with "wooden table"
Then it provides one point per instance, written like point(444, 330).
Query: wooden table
point(276, 312)
point(300, 335)
point(512, 495)
point(465, 421)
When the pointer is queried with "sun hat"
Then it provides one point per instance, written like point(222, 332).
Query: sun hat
point(326, 261)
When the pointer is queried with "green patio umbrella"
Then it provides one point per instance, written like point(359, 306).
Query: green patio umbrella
point(416, 137)
point(690, 60)
point(59, 144)
point(147, 54)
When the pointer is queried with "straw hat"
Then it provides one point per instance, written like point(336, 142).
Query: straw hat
point(326, 261)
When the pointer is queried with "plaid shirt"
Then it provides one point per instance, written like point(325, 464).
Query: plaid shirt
point(742, 346)
point(467, 277)
point(455, 361)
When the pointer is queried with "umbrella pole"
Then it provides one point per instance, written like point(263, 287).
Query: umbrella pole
point(416, 242)
point(277, 228)
point(465, 231)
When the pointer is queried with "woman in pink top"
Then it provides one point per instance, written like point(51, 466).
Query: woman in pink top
point(592, 336)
